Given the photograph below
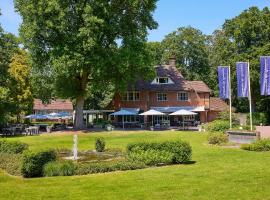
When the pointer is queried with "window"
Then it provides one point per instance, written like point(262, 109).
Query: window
point(161, 97)
point(162, 80)
point(182, 96)
point(131, 96)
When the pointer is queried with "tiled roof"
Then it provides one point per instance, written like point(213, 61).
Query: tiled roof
point(165, 71)
point(217, 104)
point(58, 104)
point(199, 86)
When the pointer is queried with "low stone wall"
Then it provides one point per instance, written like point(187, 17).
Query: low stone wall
point(243, 137)
point(264, 131)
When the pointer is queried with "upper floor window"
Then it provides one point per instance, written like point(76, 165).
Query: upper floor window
point(161, 96)
point(182, 96)
point(162, 80)
point(131, 96)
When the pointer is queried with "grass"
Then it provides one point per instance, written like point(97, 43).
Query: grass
point(219, 173)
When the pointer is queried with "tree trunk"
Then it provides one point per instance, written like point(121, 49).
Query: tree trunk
point(78, 122)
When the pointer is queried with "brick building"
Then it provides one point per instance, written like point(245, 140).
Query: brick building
point(167, 93)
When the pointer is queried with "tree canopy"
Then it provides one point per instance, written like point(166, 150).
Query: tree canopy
point(85, 42)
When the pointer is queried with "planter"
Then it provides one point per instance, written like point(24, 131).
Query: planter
point(151, 128)
point(109, 128)
point(49, 129)
point(243, 137)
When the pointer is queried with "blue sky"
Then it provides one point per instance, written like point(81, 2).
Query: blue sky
point(206, 15)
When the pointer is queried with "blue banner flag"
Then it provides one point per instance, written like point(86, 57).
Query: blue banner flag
point(223, 82)
point(242, 79)
point(265, 75)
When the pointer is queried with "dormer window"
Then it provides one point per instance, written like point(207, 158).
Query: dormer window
point(162, 80)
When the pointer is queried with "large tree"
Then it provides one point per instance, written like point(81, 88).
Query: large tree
point(189, 46)
point(84, 42)
point(8, 46)
point(20, 91)
point(243, 38)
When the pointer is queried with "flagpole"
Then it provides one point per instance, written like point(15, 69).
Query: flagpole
point(249, 96)
point(230, 97)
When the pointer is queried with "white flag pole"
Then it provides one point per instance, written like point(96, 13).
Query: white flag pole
point(230, 97)
point(249, 97)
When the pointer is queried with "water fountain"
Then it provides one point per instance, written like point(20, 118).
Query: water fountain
point(75, 147)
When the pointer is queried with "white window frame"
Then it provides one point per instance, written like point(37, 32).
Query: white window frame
point(132, 94)
point(158, 80)
point(179, 95)
point(162, 93)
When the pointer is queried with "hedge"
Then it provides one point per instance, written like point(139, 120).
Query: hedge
point(59, 168)
point(217, 138)
point(180, 151)
point(33, 162)
point(218, 126)
point(12, 147)
point(11, 163)
point(258, 145)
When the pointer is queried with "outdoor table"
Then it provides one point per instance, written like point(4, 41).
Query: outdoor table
point(32, 130)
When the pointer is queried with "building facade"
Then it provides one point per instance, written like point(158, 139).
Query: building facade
point(167, 93)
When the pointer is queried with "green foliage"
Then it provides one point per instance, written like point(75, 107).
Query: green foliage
point(258, 118)
point(217, 138)
point(100, 144)
point(91, 168)
point(151, 157)
point(225, 115)
point(19, 84)
point(258, 145)
point(33, 162)
point(181, 151)
point(189, 46)
point(12, 147)
point(11, 163)
point(59, 168)
point(218, 126)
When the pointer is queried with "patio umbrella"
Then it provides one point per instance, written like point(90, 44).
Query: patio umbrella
point(123, 113)
point(183, 112)
point(152, 113)
point(36, 116)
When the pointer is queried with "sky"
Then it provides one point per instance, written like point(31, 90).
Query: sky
point(206, 15)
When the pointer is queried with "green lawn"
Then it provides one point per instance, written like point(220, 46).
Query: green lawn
point(219, 173)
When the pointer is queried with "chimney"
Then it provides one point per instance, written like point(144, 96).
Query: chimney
point(172, 61)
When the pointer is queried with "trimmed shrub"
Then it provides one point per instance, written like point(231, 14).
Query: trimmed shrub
point(56, 168)
point(12, 147)
point(151, 157)
point(11, 163)
point(217, 138)
point(181, 151)
point(258, 145)
point(100, 144)
point(218, 126)
point(33, 162)
point(102, 167)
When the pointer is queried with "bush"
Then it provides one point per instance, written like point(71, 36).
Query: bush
point(217, 138)
point(181, 151)
point(218, 126)
point(11, 163)
point(258, 145)
point(225, 116)
point(102, 167)
point(33, 162)
point(12, 147)
point(100, 144)
point(258, 118)
point(151, 157)
point(56, 168)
